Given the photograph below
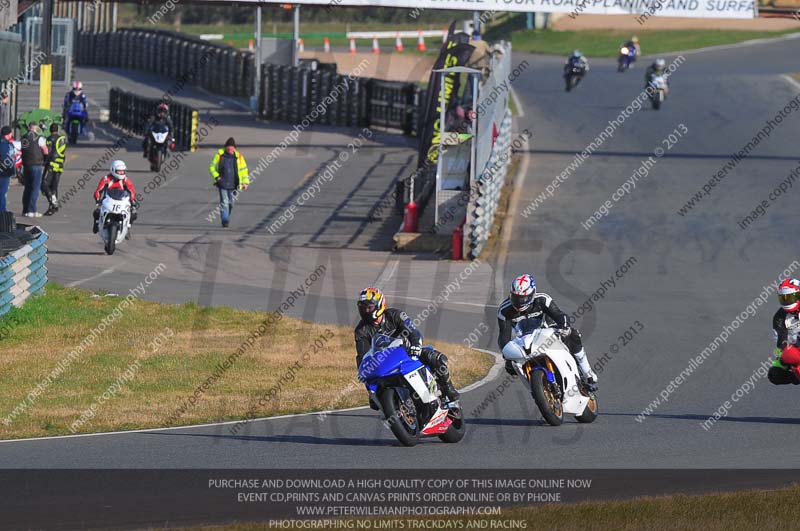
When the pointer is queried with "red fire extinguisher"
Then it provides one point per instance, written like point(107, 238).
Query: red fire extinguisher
point(410, 217)
point(457, 243)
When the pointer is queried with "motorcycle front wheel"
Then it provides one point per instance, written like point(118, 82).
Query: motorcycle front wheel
point(111, 242)
point(73, 133)
point(591, 411)
point(656, 102)
point(549, 404)
point(401, 416)
point(457, 429)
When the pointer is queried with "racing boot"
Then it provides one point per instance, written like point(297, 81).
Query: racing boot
point(449, 392)
point(588, 376)
point(95, 217)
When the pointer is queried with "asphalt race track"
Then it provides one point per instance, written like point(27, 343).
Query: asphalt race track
point(691, 276)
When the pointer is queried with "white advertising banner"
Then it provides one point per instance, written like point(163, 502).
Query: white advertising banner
point(647, 8)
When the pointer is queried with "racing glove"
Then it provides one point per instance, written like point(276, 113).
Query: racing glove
point(415, 350)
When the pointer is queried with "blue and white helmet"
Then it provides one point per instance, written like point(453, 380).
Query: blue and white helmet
point(522, 291)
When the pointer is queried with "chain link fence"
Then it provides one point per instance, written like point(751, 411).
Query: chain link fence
point(485, 192)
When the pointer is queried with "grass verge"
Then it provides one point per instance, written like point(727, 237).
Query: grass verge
point(134, 383)
point(313, 34)
point(605, 43)
point(757, 510)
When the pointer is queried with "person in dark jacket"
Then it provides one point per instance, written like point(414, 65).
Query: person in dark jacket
point(7, 163)
point(34, 156)
point(376, 318)
point(57, 146)
point(229, 171)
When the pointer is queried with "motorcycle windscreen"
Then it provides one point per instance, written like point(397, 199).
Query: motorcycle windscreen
point(117, 194)
point(76, 109)
point(386, 357)
point(528, 325)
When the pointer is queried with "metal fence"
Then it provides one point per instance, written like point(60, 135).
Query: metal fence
point(132, 112)
point(491, 154)
point(294, 94)
point(188, 60)
point(485, 192)
point(22, 270)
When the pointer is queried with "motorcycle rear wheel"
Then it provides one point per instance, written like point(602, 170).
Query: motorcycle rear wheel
point(402, 421)
point(549, 404)
point(111, 242)
point(457, 429)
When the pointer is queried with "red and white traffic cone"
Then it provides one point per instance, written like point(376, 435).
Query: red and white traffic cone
point(444, 34)
point(300, 46)
point(250, 45)
point(420, 42)
point(375, 47)
point(326, 45)
point(352, 45)
point(398, 43)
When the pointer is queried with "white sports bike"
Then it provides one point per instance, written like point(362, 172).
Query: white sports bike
point(115, 218)
point(542, 360)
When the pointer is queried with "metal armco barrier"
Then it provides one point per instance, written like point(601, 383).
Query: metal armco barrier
point(22, 271)
point(485, 194)
point(132, 112)
point(217, 68)
point(293, 94)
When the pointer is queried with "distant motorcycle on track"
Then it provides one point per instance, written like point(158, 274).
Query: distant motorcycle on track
point(158, 147)
point(573, 76)
point(76, 117)
point(407, 394)
point(626, 57)
point(657, 89)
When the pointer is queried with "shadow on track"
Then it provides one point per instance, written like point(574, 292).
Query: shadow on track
point(301, 439)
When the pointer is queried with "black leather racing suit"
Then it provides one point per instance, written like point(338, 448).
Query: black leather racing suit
point(786, 326)
point(543, 304)
point(397, 323)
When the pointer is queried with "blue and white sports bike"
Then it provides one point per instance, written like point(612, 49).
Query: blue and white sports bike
point(407, 394)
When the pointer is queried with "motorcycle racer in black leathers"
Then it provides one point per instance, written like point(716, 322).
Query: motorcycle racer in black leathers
point(376, 318)
point(524, 302)
point(786, 327)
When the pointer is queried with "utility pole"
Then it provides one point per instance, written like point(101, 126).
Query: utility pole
point(46, 67)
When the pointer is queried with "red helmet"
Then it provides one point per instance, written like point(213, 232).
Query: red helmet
point(163, 108)
point(77, 86)
point(789, 294)
point(522, 291)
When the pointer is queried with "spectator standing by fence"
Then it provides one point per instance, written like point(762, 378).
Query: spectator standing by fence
point(7, 167)
point(229, 171)
point(34, 154)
